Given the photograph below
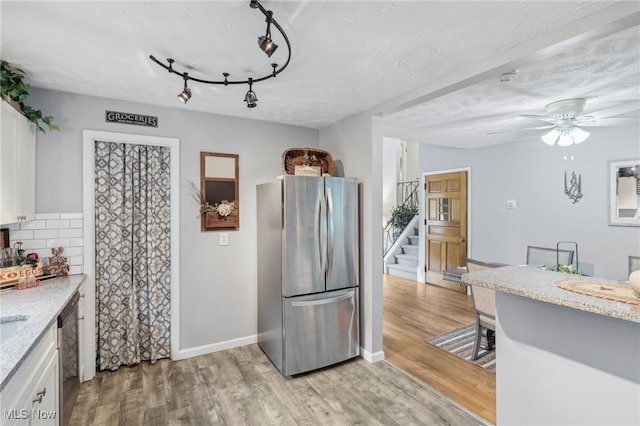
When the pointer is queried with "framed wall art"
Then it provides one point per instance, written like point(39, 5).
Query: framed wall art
point(219, 191)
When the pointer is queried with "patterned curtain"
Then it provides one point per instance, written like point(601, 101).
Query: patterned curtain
point(133, 281)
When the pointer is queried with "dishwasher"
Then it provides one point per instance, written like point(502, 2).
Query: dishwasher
point(68, 357)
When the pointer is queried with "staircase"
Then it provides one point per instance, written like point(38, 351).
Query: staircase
point(404, 260)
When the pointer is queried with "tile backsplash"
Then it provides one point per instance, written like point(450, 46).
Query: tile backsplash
point(52, 230)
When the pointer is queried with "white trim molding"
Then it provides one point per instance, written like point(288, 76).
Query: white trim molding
point(214, 347)
point(89, 137)
point(371, 357)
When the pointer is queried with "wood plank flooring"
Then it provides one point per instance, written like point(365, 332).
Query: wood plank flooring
point(413, 312)
point(241, 387)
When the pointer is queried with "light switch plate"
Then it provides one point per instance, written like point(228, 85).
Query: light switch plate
point(511, 204)
point(224, 238)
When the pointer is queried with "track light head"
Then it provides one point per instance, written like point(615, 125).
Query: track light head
point(185, 95)
point(267, 45)
point(250, 98)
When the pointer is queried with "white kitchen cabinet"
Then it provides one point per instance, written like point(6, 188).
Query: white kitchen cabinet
point(17, 167)
point(32, 395)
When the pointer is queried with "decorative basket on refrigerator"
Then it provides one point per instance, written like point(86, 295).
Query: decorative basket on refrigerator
point(312, 157)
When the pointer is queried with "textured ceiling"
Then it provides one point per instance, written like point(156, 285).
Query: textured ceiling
point(348, 56)
point(605, 72)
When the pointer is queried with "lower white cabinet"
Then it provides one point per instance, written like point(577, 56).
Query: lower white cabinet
point(32, 395)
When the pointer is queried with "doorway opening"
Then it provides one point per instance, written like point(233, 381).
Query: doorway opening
point(90, 139)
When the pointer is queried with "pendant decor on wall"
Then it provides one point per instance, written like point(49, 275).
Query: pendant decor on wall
point(218, 194)
point(573, 188)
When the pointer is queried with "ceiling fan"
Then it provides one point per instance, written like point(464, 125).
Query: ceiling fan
point(566, 117)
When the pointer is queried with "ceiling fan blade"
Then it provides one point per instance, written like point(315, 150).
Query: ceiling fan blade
point(521, 130)
point(615, 110)
point(617, 121)
point(540, 117)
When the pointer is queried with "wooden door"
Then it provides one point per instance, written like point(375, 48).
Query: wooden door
point(446, 226)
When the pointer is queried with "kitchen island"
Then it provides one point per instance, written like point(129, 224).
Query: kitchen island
point(562, 357)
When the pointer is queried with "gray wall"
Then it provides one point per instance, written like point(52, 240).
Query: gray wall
point(532, 173)
point(218, 283)
point(357, 140)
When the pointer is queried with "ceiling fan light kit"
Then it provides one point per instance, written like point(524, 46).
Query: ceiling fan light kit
point(565, 136)
point(265, 43)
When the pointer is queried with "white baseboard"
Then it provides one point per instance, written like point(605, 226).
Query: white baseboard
point(214, 347)
point(372, 357)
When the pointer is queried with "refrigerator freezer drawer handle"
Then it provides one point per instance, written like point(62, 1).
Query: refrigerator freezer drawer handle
point(322, 301)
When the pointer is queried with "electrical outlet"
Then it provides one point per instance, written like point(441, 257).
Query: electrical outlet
point(511, 204)
point(224, 239)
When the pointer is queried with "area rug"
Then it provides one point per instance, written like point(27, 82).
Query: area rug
point(460, 343)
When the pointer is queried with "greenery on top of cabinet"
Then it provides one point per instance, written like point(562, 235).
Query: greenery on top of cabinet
point(16, 89)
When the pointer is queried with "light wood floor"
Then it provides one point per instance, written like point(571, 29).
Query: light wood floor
point(241, 387)
point(414, 312)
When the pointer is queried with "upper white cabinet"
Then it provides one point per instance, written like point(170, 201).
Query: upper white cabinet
point(17, 167)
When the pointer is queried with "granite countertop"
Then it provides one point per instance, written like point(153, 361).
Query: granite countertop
point(540, 285)
point(42, 304)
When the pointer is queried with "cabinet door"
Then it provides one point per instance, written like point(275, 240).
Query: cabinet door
point(26, 172)
point(8, 188)
point(17, 167)
point(45, 398)
point(37, 376)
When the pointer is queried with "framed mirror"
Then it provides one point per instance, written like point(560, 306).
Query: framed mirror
point(624, 193)
point(219, 189)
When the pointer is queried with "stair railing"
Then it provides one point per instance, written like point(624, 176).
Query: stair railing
point(402, 214)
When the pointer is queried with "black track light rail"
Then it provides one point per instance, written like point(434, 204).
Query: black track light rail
point(254, 4)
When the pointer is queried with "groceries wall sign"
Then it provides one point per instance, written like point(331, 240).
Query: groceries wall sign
point(130, 118)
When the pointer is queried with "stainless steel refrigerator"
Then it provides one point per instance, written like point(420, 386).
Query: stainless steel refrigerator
point(308, 272)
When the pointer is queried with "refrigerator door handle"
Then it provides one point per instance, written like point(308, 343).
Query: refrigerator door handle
point(322, 254)
point(330, 231)
point(322, 301)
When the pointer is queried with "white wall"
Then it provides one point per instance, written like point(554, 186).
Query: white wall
point(532, 173)
point(389, 177)
point(218, 283)
point(412, 161)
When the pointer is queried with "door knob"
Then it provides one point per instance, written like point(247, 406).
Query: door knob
point(462, 240)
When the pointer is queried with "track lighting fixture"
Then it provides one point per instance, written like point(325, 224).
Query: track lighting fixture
point(186, 92)
point(264, 42)
point(250, 98)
